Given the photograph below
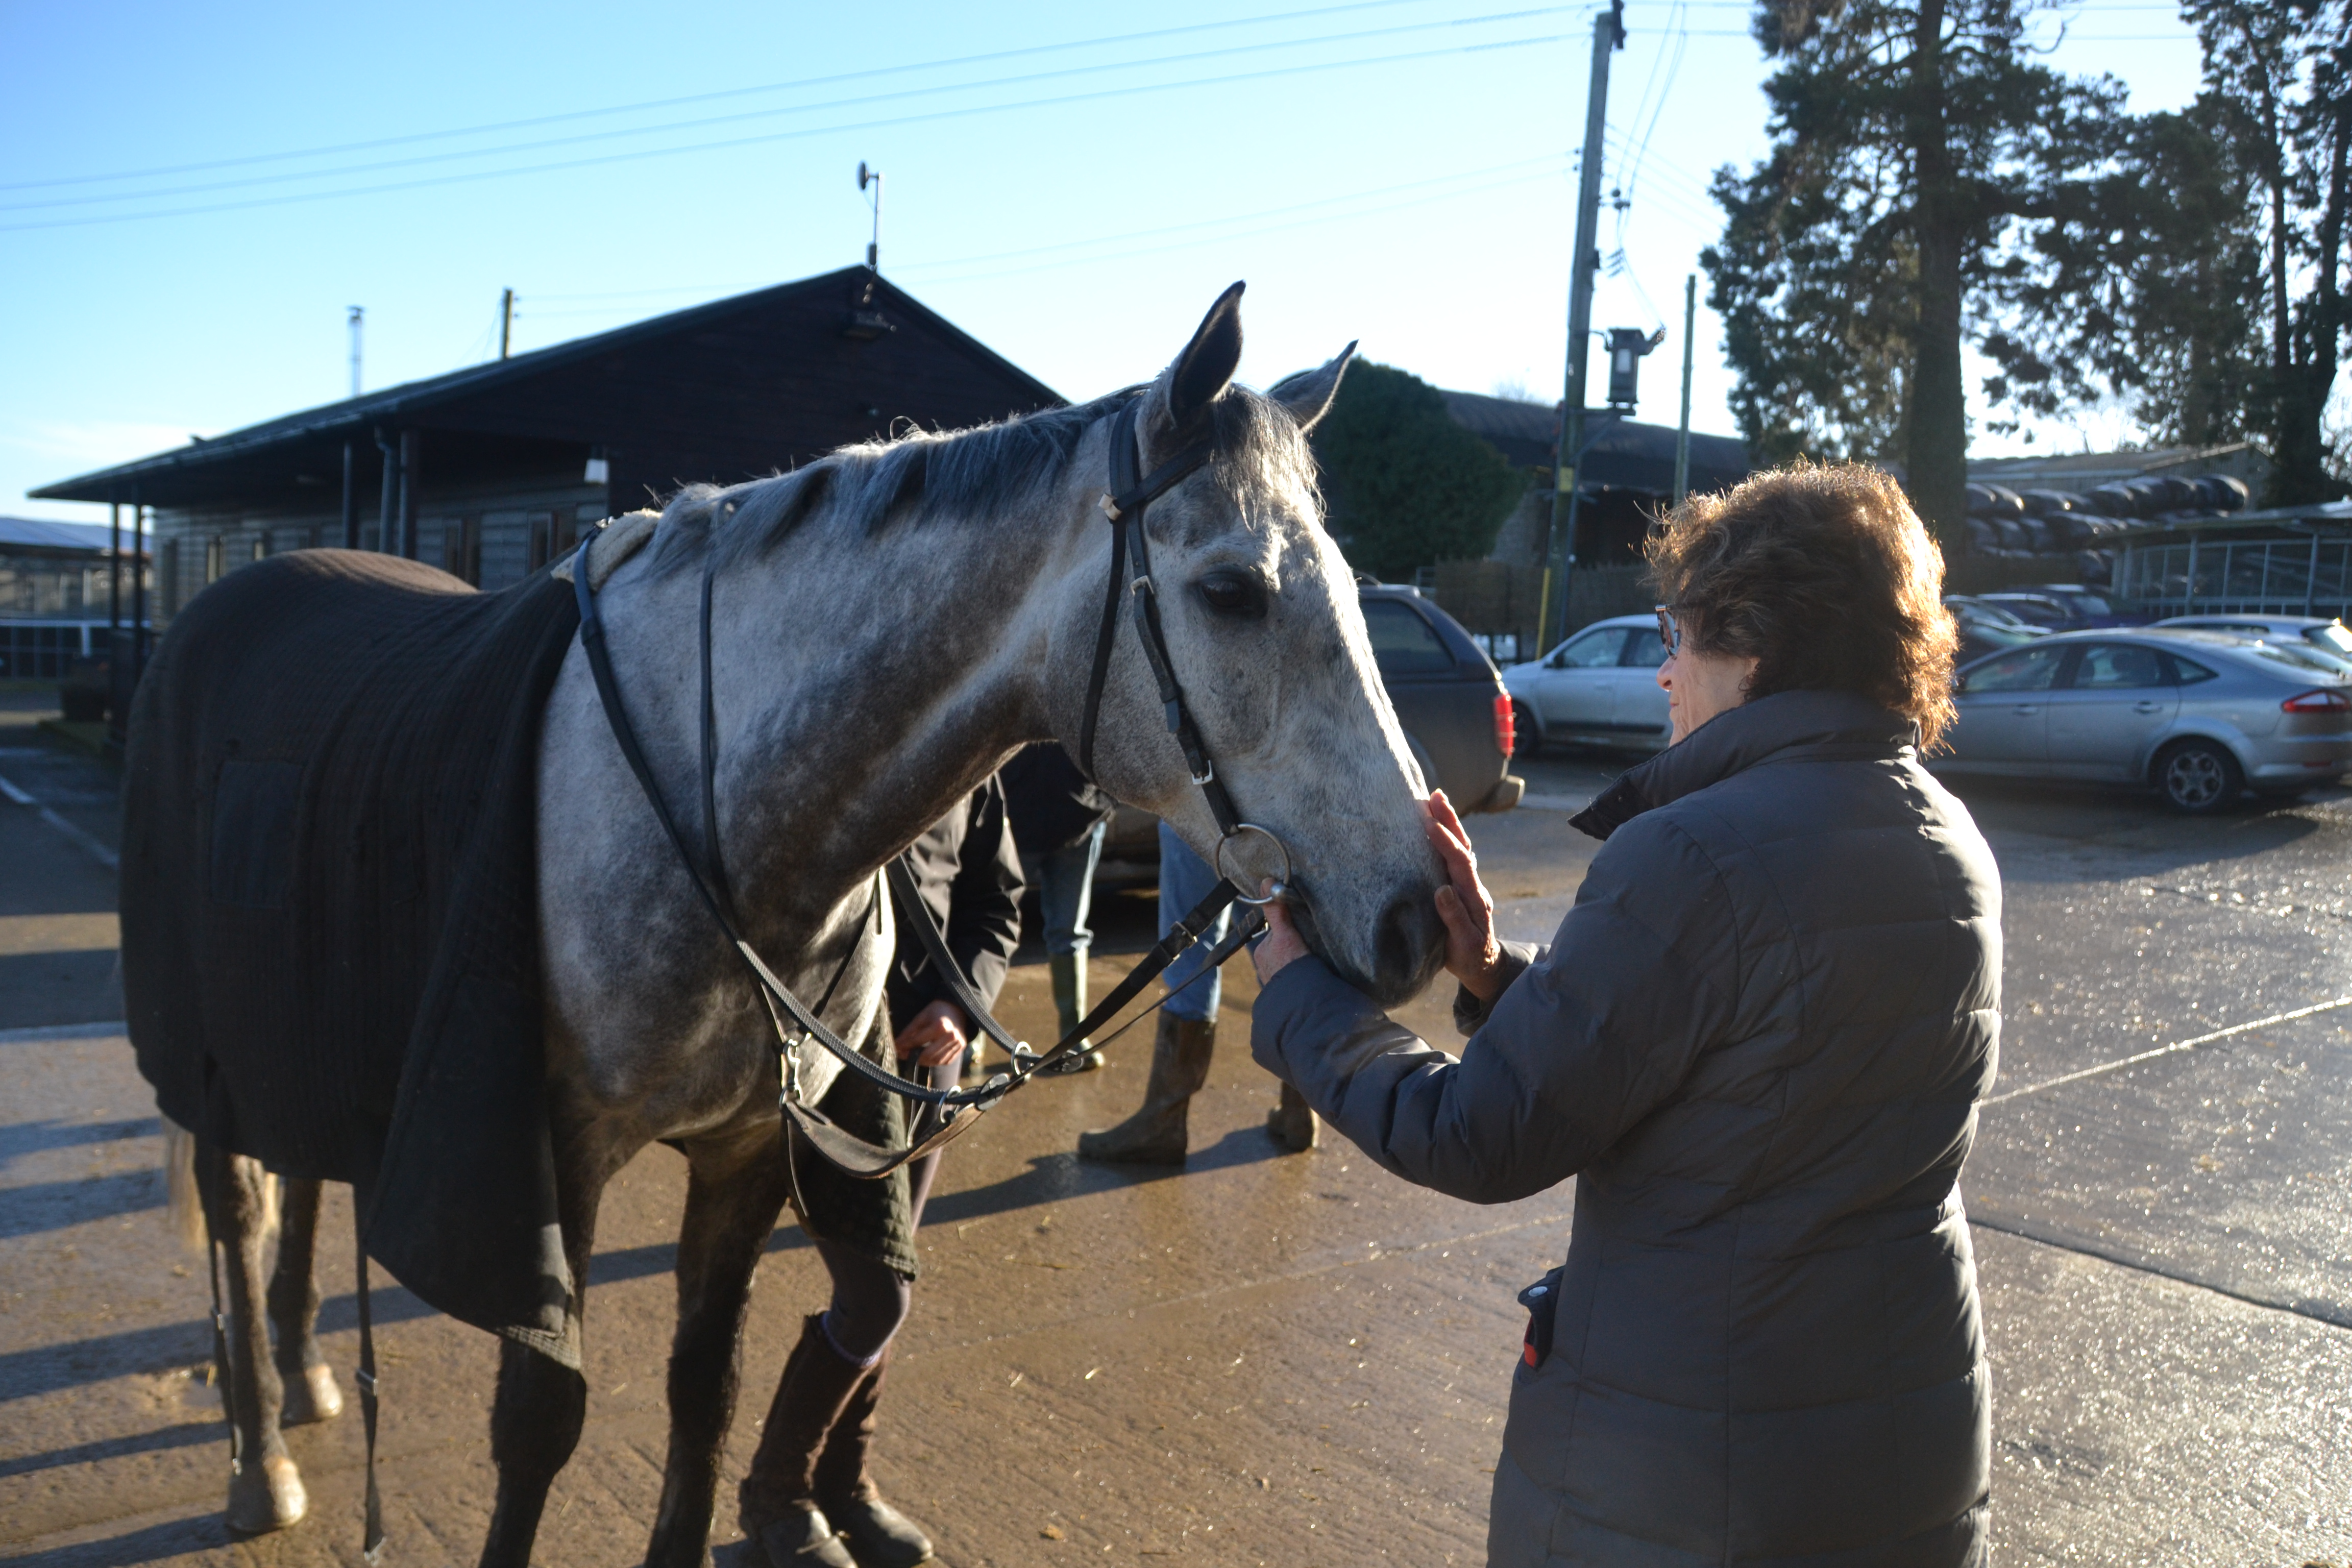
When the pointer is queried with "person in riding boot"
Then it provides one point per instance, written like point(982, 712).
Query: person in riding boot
point(1157, 1134)
point(808, 1499)
point(1058, 818)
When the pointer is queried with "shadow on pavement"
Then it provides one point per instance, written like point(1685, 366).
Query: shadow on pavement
point(187, 1435)
point(53, 1205)
point(173, 1539)
point(22, 1138)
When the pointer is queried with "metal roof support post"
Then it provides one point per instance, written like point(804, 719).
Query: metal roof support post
point(389, 497)
point(113, 574)
point(138, 589)
point(2311, 574)
point(410, 441)
point(350, 497)
point(2189, 584)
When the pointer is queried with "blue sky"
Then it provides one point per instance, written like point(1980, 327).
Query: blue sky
point(1071, 182)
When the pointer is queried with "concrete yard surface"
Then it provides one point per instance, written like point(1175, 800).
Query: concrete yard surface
point(1292, 1360)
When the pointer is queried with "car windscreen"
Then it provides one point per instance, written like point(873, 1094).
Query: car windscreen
point(2088, 605)
point(1403, 643)
point(1643, 650)
point(1595, 649)
point(2332, 637)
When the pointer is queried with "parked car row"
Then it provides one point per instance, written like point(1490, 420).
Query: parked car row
point(2201, 708)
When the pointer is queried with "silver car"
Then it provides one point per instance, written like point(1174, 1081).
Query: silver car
point(2328, 636)
point(1601, 684)
point(2200, 715)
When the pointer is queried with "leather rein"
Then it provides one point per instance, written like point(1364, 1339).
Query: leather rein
point(947, 1114)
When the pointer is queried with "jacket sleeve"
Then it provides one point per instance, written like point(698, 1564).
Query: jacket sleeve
point(1594, 1035)
point(983, 924)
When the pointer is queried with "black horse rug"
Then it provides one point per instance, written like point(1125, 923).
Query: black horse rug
point(330, 908)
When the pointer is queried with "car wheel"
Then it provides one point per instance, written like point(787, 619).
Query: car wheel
point(2199, 778)
point(1527, 740)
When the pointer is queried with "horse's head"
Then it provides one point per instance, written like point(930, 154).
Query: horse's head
point(1266, 639)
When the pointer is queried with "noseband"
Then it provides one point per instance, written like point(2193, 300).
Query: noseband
point(950, 1112)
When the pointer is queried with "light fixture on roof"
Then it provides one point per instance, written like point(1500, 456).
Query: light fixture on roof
point(599, 471)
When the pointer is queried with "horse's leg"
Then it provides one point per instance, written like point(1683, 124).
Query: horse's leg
point(541, 1404)
point(309, 1382)
point(734, 1192)
point(265, 1491)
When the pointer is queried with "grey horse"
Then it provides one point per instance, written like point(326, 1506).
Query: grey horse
point(890, 624)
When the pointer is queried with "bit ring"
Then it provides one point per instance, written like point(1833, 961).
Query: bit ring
point(1281, 883)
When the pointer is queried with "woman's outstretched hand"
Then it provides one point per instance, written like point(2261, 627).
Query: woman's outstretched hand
point(1281, 943)
point(1471, 953)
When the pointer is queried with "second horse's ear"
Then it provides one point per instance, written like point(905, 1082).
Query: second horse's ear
point(1205, 368)
point(1308, 394)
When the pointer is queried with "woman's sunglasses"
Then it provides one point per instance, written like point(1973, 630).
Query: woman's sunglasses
point(1670, 631)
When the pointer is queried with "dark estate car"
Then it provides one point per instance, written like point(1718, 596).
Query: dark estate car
point(1449, 702)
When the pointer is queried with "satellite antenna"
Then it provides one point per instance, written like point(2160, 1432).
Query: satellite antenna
point(866, 176)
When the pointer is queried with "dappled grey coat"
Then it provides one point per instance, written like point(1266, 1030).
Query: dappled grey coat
point(1755, 1040)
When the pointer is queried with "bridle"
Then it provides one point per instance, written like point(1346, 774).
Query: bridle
point(947, 1114)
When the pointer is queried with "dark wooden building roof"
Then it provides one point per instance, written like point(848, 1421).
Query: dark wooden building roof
point(1623, 454)
point(722, 391)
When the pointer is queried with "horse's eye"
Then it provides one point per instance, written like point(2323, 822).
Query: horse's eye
point(1232, 593)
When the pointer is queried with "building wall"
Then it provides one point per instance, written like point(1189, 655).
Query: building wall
point(492, 534)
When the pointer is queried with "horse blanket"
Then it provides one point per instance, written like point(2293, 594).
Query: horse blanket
point(330, 908)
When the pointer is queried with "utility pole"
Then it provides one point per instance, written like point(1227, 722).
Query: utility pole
point(1681, 431)
point(1608, 35)
point(358, 316)
point(506, 321)
point(866, 176)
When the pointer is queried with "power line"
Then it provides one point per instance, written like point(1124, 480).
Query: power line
point(605, 159)
point(647, 105)
point(705, 122)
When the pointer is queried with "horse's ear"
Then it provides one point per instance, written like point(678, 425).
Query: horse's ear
point(1308, 394)
point(1206, 366)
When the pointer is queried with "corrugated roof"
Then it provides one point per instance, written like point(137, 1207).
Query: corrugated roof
point(40, 534)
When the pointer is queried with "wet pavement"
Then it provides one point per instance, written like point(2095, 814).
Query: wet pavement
point(1289, 1359)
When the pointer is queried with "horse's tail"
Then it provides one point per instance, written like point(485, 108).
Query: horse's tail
point(186, 1213)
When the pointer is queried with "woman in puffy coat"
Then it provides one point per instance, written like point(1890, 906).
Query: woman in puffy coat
point(1757, 1041)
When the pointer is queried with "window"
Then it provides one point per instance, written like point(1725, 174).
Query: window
point(2027, 669)
point(1643, 650)
point(1595, 649)
point(262, 545)
point(215, 558)
point(1403, 642)
point(461, 548)
point(2185, 672)
point(2109, 666)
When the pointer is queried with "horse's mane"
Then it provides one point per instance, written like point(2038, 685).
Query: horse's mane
point(988, 469)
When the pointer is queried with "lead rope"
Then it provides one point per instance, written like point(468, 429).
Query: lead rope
point(371, 1533)
point(220, 1352)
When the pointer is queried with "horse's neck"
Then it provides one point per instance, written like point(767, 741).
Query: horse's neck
point(861, 688)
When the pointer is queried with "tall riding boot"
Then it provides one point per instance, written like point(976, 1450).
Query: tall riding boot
point(1155, 1135)
point(1292, 1122)
point(879, 1536)
point(778, 1497)
point(1069, 971)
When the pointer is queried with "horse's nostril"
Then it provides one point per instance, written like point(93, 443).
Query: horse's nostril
point(1409, 931)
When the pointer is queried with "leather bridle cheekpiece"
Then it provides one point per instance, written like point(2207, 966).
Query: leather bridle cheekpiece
point(947, 1114)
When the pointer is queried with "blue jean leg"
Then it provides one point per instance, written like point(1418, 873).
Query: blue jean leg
point(1066, 889)
point(1184, 881)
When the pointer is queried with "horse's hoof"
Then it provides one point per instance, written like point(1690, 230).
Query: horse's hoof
point(266, 1495)
point(311, 1394)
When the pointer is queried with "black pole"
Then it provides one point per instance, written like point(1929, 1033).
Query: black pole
point(138, 589)
point(113, 575)
point(386, 526)
point(410, 443)
point(350, 497)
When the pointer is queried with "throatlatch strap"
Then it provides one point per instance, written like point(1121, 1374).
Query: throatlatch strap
point(371, 1536)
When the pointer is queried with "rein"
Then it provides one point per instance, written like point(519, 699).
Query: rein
point(947, 1114)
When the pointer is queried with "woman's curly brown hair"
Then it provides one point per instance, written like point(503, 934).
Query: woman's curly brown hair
point(1825, 577)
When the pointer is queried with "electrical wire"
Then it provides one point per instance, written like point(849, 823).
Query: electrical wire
point(648, 105)
point(768, 137)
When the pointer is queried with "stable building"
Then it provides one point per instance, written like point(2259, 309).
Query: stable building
point(491, 471)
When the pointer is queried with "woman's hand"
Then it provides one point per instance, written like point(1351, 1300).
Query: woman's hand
point(935, 1034)
point(1471, 952)
point(1281, 945)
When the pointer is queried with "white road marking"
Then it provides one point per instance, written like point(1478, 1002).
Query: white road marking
point(97, 851)
point(2177, 1046)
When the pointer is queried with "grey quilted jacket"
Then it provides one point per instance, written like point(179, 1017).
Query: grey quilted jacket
point(1757, 1041)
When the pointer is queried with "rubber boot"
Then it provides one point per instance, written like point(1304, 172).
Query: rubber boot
point(778, 1497)
point(1069, 971)
point(1292, 1122)
point(879, 1536)
point(1155, 1135)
